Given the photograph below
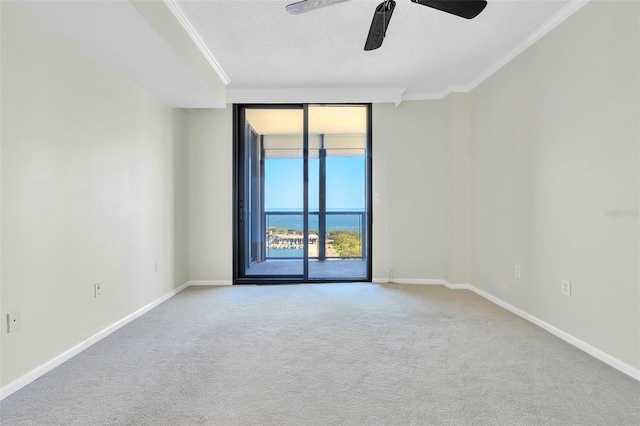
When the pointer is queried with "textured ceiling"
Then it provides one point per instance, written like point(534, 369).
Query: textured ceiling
point(119, 35)
point(425, 51)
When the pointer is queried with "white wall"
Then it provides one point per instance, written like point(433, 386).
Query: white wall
point(554, 143)
point(210, 180)
point(411, 168)
point(94, 189)
point(410, 172)
point(458, 259)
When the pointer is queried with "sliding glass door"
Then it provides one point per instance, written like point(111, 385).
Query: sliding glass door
point(302, 193)
point(338, 191)
point(270, 193)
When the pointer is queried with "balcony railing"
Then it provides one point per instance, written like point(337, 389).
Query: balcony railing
point(344, 238)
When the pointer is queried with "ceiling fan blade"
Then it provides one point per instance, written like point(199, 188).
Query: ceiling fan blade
point(464, 8)
point(378, 29)
point(309, 5)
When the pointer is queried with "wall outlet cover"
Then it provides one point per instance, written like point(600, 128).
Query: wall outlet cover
point(97, 289)
point(13, 321)
point(566, 287)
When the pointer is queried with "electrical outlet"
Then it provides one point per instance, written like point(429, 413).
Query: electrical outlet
point(13, 321)
point(566, 288)
point(97, 289)
point(517, 271)
point(157, 266)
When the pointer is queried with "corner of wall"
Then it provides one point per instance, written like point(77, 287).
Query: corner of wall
point(459, 261)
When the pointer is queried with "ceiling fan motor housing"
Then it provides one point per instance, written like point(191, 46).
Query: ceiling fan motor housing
point(378, 29)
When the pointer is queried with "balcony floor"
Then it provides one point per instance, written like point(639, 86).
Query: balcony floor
point(335, 269)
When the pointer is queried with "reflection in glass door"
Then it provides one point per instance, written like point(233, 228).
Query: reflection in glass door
point(302, 193)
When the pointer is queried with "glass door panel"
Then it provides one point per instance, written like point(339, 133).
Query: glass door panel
point(271, 205)
point(341, 136)
point(302, 193)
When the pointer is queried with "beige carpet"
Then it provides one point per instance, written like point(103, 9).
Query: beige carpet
point(333, 354)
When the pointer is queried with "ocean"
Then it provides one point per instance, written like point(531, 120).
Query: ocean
point(335, 221)
point(289, 253)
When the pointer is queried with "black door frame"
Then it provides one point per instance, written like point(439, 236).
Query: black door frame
point(239, 184)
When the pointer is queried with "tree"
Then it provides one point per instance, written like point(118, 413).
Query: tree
point(347, 243)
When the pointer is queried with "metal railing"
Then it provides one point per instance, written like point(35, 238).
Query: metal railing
point(284, 239)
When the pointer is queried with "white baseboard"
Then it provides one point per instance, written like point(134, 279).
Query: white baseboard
point(50, 365)
point(209, 282)
point(457, 286)
point(591, 350)
point(53, 363)
point(417, 281)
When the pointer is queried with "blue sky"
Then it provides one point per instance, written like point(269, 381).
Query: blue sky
point(284, 186)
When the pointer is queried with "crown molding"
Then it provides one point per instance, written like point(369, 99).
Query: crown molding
point(175, 8)
point(424, 96)
point(373, 95)
point(427, 96)
point(315, 95)
point(559, 17)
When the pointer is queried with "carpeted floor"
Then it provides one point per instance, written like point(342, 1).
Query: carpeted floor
point(332, 354)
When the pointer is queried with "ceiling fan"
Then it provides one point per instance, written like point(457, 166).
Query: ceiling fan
point(468, 9)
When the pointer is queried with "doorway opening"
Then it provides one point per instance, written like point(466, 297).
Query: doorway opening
point(302, 193)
